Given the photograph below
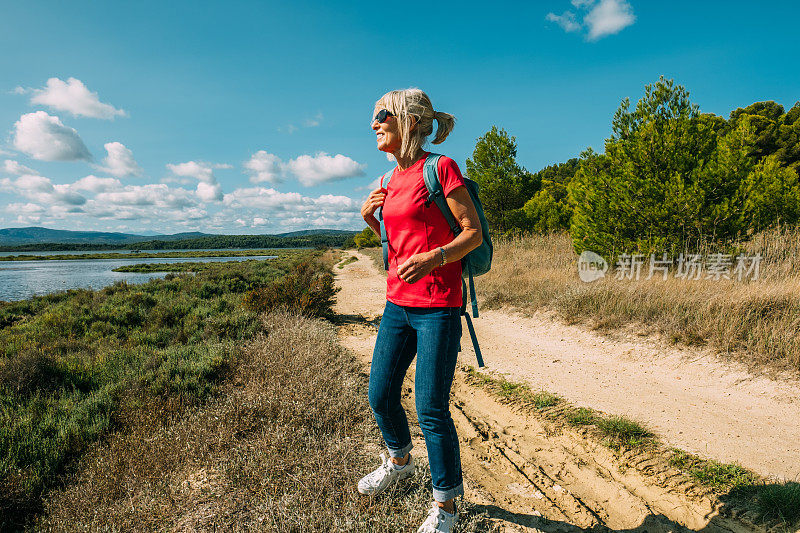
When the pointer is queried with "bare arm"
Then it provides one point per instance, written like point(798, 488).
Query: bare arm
point(460, 204)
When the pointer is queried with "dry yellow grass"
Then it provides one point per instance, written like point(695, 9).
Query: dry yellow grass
point(280, 448)
point(757, 322)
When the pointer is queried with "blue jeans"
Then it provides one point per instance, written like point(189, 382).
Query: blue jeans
point(432, 334)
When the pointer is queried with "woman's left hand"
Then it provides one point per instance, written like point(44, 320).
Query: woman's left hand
point(418, 266)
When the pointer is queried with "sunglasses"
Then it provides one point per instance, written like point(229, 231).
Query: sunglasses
point(382, 115)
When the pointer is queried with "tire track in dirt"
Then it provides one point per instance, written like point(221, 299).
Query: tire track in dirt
point(526, 473)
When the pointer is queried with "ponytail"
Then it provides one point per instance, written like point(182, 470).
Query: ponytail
point(446, 124)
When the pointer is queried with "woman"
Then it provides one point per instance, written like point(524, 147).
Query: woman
point(423, 293)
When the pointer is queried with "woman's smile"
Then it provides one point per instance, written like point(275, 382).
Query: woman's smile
point(386, 134)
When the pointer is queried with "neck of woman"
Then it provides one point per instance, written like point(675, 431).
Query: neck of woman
point(405, 162)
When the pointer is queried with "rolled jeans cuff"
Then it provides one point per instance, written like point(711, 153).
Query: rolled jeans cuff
point(402, 451)
point(444, 495)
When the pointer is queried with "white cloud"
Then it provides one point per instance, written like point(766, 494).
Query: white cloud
point(192, 169)
point(44, 137)
point(192, 213)
point(73, 97)
point(261, 198)
point(290, 210)
point(60, 211)
point(322, 168)
point(41, 189)
point(566, 20)
point(102, 202)
point(64, 194)
point(12, 167)
point(28, 209)
point(309, 170)
point(149, 205)
point(264, 167)
point(140, 206)
point(326, 222)
point(208, 190)
point(608, 17)
point(313, 122)
point(26, 213)
point(94, 184)
point(119, 162)
point(338, 203)
point(175, 179)
point(153, 194)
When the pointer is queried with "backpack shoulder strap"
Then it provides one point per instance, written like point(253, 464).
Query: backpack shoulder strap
point(384, 237)
point(436, 194)
point(430, 173)
point(470, 327)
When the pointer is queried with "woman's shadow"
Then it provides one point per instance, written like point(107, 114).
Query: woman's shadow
point(653, 523)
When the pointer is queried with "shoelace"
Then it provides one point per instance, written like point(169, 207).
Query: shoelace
point(433, 528)
point(382, 471)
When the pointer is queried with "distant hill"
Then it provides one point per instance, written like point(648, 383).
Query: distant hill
point(36, 235)
point(39, 239)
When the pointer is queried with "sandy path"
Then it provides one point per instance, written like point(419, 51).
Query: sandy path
point(523, 473)
point(691, 399)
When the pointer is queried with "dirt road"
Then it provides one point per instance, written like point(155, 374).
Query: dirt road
point(526, 474)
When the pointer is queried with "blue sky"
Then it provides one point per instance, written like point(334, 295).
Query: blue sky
point(253, 117)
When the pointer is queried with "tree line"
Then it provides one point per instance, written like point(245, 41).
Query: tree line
point(669, 179)
point(320, 240)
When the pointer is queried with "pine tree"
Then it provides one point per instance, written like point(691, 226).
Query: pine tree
point(771, 194)
point(645, 193)
point(505, 186)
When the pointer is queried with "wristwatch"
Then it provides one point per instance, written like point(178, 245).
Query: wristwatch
point(444, 256)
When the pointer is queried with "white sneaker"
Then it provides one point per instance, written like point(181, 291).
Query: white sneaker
point(384, 476)
point(438, 521)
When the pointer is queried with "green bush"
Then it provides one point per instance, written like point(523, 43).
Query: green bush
point(307, 290)
point(366, 239)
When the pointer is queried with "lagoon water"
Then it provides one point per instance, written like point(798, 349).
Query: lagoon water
point(22, 279)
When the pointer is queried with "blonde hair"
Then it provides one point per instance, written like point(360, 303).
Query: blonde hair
point(412, 106)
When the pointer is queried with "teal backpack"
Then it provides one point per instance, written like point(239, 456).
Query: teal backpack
point(475, 263)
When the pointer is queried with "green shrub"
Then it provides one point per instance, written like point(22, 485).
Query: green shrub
point(366, 239)
point(308, 290)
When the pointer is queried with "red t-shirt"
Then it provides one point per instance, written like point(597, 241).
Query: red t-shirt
point(412, 228)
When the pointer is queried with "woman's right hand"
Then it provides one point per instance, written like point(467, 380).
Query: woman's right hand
point(373, 202)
